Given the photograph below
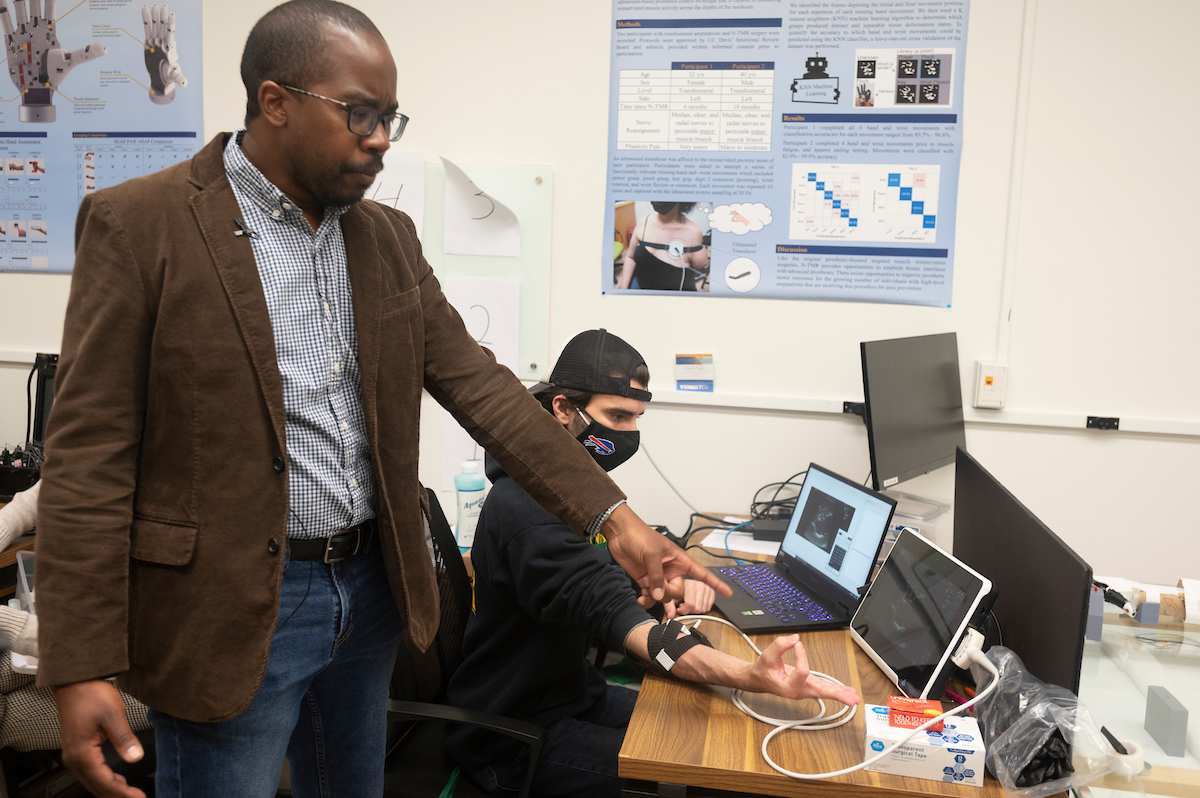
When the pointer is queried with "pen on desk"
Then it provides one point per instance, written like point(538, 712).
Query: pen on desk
point(955, 697)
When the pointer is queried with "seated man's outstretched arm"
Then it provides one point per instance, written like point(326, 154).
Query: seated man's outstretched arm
point(767, 674)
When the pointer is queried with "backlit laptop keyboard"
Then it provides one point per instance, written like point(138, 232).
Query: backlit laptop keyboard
point(776, 595)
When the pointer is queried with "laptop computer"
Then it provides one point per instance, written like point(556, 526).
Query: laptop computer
point(826, 559)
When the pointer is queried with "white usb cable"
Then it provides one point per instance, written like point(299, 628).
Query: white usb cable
point(967, 652)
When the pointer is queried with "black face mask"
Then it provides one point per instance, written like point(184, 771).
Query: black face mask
point(608, 447)
point(663, 207)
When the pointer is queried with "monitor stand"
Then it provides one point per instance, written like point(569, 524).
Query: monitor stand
point(916, 507)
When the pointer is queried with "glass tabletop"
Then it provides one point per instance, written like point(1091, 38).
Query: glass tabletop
point(1117, 672)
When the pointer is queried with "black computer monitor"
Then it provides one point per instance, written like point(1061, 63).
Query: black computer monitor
point(1043, 585)
point(913, 408)
point(44, 367)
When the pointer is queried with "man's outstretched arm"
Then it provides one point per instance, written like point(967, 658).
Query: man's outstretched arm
point(533, 448)
point(767, 674)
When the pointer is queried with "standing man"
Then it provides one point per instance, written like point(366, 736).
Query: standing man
point(542, 594)
point(231, 521)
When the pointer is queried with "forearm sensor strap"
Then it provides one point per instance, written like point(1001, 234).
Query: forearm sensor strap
point(670, 641)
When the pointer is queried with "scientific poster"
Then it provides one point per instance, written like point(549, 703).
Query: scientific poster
point(98, 92)
point(790, 150)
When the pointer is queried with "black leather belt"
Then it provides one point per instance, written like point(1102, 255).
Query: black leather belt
point(342, 545)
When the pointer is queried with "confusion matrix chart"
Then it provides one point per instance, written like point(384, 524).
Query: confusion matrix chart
point(864, 202)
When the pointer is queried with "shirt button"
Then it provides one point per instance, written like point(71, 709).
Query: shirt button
point(277, 464)
point(287, 207)
point(275, 214)
point(272, 546)
point(353, 482)
point(345, 426)
point(337, 368)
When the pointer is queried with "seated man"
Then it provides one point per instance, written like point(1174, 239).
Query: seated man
point(542, 592)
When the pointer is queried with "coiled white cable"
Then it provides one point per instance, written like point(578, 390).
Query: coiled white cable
point(814, 723)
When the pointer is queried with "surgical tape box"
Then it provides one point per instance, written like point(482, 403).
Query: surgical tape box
point(955, 754)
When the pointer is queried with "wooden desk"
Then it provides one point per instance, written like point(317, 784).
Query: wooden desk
point(690, 734)
point(9, 556)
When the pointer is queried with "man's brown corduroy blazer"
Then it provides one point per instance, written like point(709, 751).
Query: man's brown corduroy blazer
point(165, 491)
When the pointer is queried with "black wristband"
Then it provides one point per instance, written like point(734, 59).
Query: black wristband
point(680, 639)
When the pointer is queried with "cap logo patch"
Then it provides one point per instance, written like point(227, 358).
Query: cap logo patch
point(600, 445)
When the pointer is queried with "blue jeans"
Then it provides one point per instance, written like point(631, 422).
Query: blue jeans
point(322, 702)
point(579, 755)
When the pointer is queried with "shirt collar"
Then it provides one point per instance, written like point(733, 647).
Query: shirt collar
point(255, 186)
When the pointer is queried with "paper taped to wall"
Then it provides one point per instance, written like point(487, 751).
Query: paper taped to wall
point(401, 185)
point(476, 222)
point(489, 307)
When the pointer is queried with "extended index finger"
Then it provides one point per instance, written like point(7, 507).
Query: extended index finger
point(698, 572)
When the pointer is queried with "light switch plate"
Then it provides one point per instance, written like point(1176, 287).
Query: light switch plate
point(991, 384)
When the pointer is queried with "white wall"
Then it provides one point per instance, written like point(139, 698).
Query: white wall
point(1099, 289)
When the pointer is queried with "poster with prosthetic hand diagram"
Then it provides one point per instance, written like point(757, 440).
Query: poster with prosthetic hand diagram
point(98, 93)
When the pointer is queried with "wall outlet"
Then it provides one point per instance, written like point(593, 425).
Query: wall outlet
point(991, 384)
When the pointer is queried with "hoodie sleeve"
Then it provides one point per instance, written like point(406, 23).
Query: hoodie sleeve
point(562, 579)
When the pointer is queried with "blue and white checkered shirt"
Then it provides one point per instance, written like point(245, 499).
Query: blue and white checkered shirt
point(304, 277)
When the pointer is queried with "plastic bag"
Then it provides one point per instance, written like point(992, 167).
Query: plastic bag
point(1040, 738)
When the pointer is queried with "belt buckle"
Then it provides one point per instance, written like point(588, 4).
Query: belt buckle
point(329, 546)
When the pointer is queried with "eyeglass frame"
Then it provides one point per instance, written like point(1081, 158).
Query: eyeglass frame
point(399, 119)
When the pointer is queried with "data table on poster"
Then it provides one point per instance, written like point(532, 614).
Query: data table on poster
point(106, 159)
point(710, 106)
point(24, 229)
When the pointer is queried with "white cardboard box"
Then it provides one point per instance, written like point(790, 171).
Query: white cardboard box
point(954, 754)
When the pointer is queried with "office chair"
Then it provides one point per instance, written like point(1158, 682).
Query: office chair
point(416, 710)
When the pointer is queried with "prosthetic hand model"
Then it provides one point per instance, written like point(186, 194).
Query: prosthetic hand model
point(162, 54)
point(36, 63)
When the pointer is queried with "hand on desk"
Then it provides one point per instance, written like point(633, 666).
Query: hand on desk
point(698, 598)
point(773, 675)
point(683, 597)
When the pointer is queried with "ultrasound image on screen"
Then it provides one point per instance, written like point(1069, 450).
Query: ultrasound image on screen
point(823, 516)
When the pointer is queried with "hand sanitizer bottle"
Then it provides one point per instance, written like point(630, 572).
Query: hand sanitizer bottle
point(468, 487)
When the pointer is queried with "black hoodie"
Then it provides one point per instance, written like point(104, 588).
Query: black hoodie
point(541, 593)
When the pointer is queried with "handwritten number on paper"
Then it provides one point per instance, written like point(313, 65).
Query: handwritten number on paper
point(490, 211)
point(395, 201)
point(487, 325)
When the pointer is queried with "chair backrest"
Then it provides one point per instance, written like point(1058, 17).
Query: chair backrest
point(423, 676)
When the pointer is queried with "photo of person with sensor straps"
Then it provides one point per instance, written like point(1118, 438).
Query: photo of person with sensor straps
point(666, 252)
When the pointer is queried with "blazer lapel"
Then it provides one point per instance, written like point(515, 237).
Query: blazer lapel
point(215, 209)
point(366, 285)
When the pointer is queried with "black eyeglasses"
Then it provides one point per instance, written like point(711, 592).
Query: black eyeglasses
point(362, 119)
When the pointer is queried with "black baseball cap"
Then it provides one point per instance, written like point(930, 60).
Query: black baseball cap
point(588, 363)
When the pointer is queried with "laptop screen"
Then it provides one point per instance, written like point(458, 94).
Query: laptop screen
point(837, 528)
